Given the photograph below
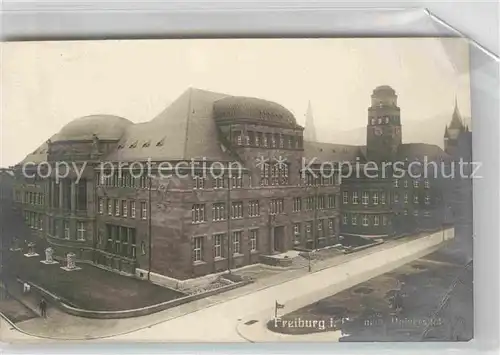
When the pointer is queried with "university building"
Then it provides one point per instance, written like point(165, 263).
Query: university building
point(215, 182)
point(191, 223)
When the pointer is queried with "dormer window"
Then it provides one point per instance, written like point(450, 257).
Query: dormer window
point(146, 144)
point(120, 146)
point(133, 145)
point(160, 143)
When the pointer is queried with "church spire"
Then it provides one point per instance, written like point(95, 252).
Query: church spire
point(456, 120)
point(310, 129)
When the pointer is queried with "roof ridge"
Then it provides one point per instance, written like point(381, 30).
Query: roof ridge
point(188, 120)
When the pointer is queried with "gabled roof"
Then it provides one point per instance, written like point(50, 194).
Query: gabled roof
point(414, 151)
point(184, 130)
point(331, 152)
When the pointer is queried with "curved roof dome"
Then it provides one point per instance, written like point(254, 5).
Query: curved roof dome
point(106, 127)
point(384, 88)
point(250, 108)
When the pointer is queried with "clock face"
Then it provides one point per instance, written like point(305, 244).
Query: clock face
point(377, 131)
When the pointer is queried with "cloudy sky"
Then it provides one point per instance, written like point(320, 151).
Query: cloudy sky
point(47, 84)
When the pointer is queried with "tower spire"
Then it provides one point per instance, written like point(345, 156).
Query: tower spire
point(310, 128)
point(456, 120)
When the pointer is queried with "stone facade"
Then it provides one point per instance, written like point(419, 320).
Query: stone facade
point(239, 189)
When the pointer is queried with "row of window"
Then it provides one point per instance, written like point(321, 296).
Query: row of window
point(267, 140)
point(220, 246)
point(367, 220)
point(60, 228)
point(274, 174)
point(121, 241)
point(34, 220)
point(416, 183)
point(276, 206)
point(324, 227)
point(217, 182)
point(122, 179)
point(379, 198)
point(383, 120)
point(330, 180)
point(32, 198)
point(121, 208)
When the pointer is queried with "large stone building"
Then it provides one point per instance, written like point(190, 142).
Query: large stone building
point(388, 193)
point(224, 184)
point(194, 222)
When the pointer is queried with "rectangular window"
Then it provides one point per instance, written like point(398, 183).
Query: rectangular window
point(297, 204)
point(254, 237)
point(355, 198)
point(309, 230)
point(405, 183)
point(80, 231)
point(296, 233)
point(427, 214)
point(415, 198)
point(309, 203)
point(382, 198)
point(384, 220)
point(405, 212)
point(237, 182)
point(354, 220)
point(237, 210)
point(426, 183)
point(197, 249)
point(144, 210)
point(427, 199)
point(277, 206)
point(365, 197)
point(345, 197)
point(396, 197)
point(376, 220)
point(406, 197)
point(415, 213)
point(124, 208)
point(365, 220)
point(198, 182)
point(132, 209)
point(331, 201)
point(218, 211)
point(375, 198)
point(100, 208)
point(415, 183)
point(218, 238)
point(110, 207)
point(237, 242)
point(218, 183)
point(330, 224)
point(321, 202)
point(117, 207)
point(396, 183)
point(253, 208)
point(198, 213)
point(66, 230)
point(344, 219)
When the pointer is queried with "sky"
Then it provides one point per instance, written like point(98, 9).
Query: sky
point(45, 85)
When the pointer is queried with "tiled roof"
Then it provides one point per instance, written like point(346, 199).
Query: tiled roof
point(184, 130)
point(331, 152)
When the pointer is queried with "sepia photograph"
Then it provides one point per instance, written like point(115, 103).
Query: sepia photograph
point(237, 190)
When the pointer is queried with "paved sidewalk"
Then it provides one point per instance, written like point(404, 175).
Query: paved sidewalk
point(59, 325)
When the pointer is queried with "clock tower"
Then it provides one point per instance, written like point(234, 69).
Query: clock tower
point(383, 134)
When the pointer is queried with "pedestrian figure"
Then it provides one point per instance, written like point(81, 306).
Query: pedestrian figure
point(26, 287)
point(43, 307)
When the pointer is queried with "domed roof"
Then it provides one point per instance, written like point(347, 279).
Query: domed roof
point(250, 108)
point(384, 88)
point(105, 127)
